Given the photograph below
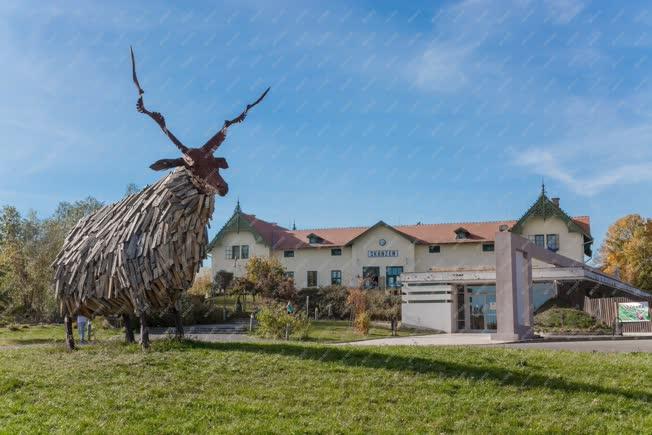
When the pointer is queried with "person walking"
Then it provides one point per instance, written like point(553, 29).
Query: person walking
point(81, 327)
point(290, 308)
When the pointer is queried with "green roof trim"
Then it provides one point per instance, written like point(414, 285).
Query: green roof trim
point(544, 208)
point(235, 224)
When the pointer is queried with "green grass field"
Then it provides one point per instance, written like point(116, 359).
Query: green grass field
point(338, 331)
point(43, 334)
point(291, 387)
point(322, 331)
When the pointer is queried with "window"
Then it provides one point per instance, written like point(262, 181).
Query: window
point(313, 239)
point(336, 251)
point(336, 277)
point(434, 249)
point(244, 252)
point(312, 278)
point(289, 274)
point(538, 239)
point(393, 275)
point(552, 242)
point(288, 254)
point(487, 247)
point(235, 252)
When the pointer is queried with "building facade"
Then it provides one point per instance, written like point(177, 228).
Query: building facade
point(376, 256)
point(446, 273)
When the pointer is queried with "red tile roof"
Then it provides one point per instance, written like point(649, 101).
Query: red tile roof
point(281, 238)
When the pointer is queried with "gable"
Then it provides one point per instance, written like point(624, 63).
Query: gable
point(236, 224)
point(382, 224)
point(544, 208)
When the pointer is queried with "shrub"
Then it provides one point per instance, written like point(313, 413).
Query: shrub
point(383, 306)
point(567, 319)
point(275, 322)
point(361, 323)
point(358, 300)
point(332, 302)
point(201, 287)
point(241, 286)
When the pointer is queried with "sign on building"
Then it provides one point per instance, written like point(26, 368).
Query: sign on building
point(383, 253)
point(634, 312)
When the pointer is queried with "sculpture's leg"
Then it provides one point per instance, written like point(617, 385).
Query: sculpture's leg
point(144, 331)
point(129, 329)
point(70, 338)
point(177, 321)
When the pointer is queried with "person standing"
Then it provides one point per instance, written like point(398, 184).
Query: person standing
point(81, 327)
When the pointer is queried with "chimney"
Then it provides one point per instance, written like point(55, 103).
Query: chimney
point(555, 201)
point(503, 228)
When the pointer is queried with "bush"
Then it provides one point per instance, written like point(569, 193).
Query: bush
point(201, 287)
point(567, 320)
point(361, 323)
point(332, 302)
point(383, 306)
point(275, 322)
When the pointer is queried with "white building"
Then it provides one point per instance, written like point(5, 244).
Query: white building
point(377, 255)
point(446, 272)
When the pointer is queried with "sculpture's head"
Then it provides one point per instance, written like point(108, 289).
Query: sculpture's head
point(201, 163)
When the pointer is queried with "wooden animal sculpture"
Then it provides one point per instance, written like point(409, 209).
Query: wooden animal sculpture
point(139, 255)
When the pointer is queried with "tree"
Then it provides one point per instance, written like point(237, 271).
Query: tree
point(28, 246)
point(627, 251)
point(268, 278)
point(131, 189)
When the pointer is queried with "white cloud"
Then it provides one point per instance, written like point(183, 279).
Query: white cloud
point(547, 164)
point(563, 11)
point(441, 68)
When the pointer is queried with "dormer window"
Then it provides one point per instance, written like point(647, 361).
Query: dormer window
point(461, 233)
point(314, 239)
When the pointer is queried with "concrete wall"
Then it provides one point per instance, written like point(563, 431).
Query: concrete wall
point(420, 310)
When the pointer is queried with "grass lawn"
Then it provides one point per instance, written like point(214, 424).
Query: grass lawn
point(28, 334)
point(291, 387)
point(334, 331)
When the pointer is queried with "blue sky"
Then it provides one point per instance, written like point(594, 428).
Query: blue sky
point(401, 111)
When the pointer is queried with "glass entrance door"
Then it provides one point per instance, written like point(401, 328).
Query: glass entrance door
point(393, 276)
point(482, 307)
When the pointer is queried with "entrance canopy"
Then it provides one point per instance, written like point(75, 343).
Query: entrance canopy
point(445, 300)
point(483, 276)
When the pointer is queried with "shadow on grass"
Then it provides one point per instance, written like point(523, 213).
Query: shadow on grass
point(375, 360)
point(27, 341)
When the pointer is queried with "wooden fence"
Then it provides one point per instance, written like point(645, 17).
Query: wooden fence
point(606, 310)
